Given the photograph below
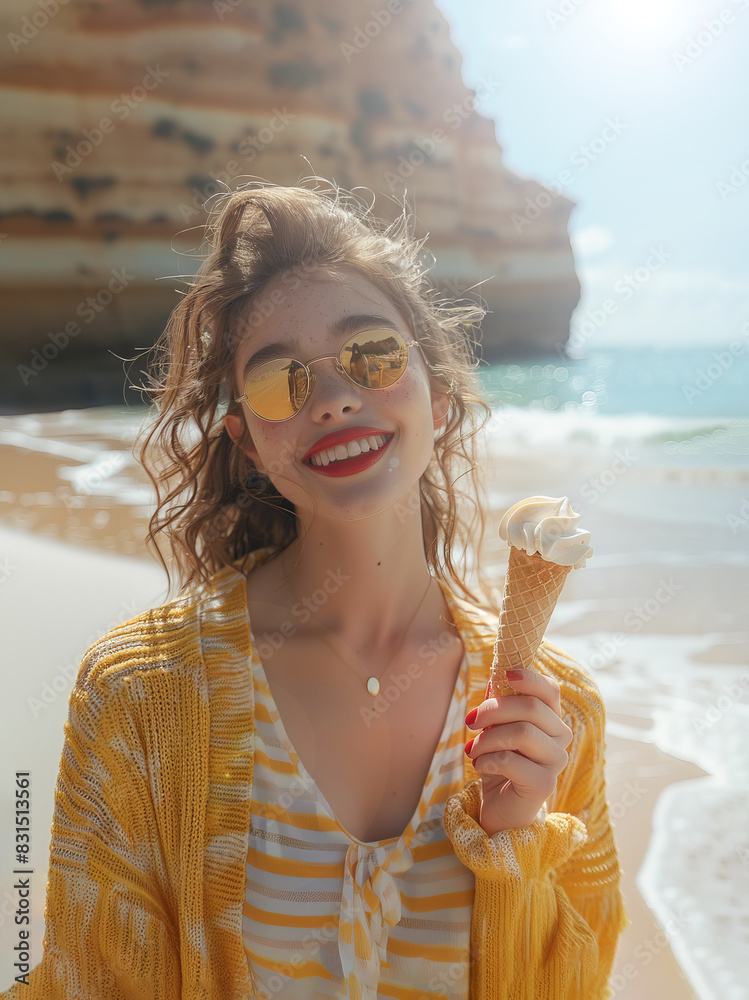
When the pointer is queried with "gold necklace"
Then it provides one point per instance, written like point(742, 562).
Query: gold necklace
point(373, 683)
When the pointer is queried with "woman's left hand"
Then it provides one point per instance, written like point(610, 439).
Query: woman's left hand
point(521, 749)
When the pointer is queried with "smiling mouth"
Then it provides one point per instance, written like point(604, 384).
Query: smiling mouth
point(352, 449)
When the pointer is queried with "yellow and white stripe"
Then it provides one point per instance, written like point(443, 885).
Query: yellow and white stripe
point(326, 915)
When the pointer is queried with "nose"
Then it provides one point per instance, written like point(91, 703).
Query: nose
point(331, 393)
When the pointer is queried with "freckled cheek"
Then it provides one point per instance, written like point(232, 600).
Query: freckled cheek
point(273, 447)
point(419, 398)
point(413, 389)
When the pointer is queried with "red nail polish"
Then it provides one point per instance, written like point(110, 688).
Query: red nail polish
point(469, 744)
point(514, 675)
point(471, 717)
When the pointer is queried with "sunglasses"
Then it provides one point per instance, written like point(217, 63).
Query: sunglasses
point(372, 359)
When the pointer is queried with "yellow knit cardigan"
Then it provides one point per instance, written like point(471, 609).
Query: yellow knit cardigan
point(152, 815)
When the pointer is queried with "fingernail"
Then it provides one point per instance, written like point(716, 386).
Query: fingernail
point(469, 744)
point(471, 717)
point(514, 675)
point(488, 689)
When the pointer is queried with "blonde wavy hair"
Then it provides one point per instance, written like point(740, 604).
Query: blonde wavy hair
point(212, 507)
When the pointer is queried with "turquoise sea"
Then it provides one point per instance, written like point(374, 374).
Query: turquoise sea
point(694, 382)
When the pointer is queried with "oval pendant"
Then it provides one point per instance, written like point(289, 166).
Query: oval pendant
point(373, 686)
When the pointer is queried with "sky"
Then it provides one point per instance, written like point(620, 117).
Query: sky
point(639, 111)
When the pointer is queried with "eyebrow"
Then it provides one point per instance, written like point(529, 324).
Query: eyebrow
point(346, 326)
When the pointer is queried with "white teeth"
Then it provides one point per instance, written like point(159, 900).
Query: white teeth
point(349, 450)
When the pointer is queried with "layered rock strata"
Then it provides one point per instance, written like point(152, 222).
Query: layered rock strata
point(121, 119)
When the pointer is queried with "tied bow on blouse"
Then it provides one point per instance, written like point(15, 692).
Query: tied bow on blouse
point(370, 906)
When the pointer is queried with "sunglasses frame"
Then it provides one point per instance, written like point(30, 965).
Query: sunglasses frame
point(342, 371)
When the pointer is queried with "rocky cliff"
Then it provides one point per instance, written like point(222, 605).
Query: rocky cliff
point(121, 119)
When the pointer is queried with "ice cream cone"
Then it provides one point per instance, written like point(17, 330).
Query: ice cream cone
point(532, 588)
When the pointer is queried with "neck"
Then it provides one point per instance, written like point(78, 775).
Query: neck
point(364, 579)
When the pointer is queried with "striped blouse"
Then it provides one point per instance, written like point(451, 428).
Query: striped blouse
point(326, 915)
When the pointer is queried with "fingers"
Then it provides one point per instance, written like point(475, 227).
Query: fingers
point(519, 738)
point(529, 779)
point(546, 689)
point(521, 708)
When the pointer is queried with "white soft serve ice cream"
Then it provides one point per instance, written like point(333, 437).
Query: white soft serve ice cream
point(548, 526)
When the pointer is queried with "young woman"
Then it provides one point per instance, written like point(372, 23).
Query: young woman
point(264, 790)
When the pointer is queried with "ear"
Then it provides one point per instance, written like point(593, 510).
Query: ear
point(237, 430)
point(440, 407)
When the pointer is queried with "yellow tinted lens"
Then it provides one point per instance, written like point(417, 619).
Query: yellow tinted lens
point(375, 359)
point(277, 389)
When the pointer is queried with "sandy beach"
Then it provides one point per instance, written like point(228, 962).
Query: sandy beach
point(656, 617)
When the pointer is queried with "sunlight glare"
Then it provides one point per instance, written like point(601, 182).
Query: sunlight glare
point(642, 25)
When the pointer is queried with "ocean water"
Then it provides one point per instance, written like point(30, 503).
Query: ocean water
point(691, 383)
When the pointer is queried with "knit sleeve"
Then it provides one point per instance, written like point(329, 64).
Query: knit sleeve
point(108, 929)
point(548, 909)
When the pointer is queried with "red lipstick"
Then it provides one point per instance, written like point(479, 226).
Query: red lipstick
point(342, 437)
point(350, 466)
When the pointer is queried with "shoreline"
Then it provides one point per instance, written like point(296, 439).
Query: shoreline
point(645, 967)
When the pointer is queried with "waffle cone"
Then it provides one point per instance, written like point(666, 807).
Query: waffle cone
point(532, 588)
